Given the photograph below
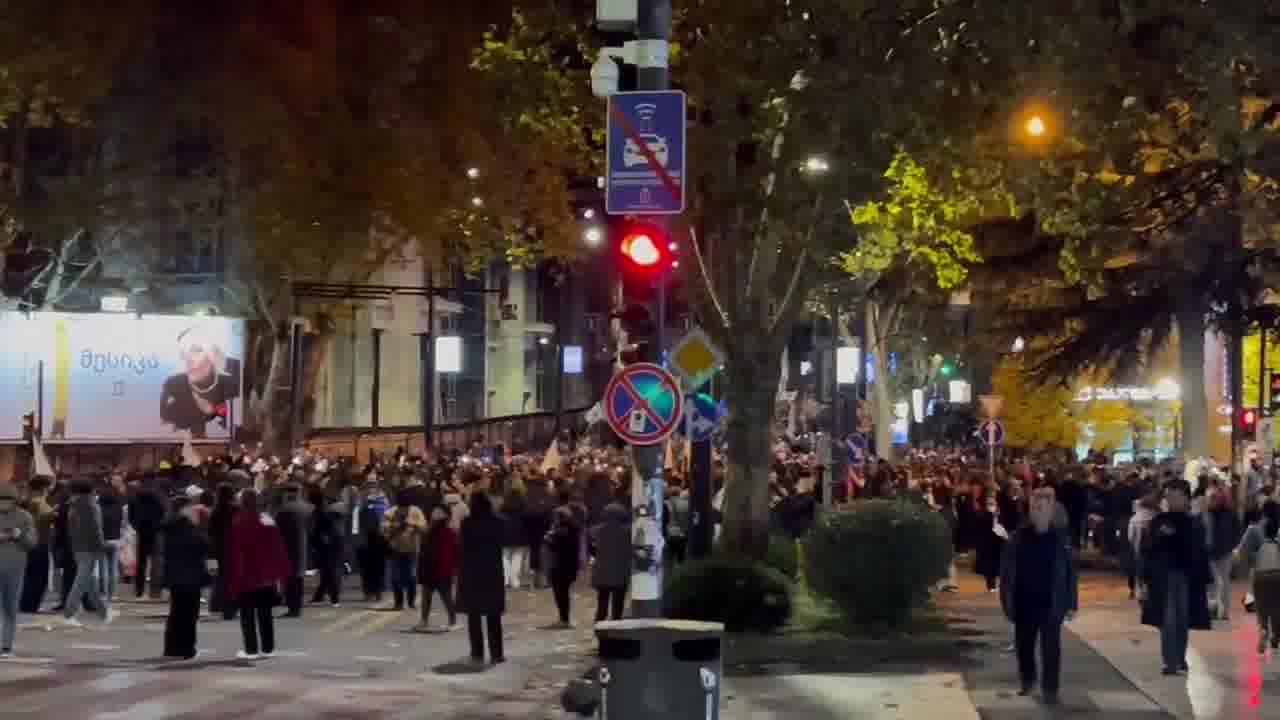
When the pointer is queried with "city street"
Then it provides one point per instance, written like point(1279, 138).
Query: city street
point(350, 662)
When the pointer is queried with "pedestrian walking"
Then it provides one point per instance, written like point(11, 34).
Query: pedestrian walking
point(1038, 592)
point(371, 547)
point(402, 528)
point(113, 510)
point(186, 558)
point(294, 520)
point(1176, 562)
point(1145, 510)
point(1265, 559)
point(481, 591)
point(257, 565)
point(147, 511)
point(437, 566)
point(515, 547)
point(564, 545)
point(327, 543)
point(989, 541)
point(88, 546)
point(220, 520)
point(17, 538)
point(1223, 530)
point(611, 573)
point(35, 582)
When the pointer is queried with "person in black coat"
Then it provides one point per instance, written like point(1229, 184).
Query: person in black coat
point(989, 543)
point(224, 512)
point(1176, 564)
point(186, 573)
point(327, 533)
point(564, 546)
point(481, 591)
point(537, 521)
point(147, 511)
point(294, 520)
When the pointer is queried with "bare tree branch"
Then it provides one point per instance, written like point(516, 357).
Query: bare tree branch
point(721, 315)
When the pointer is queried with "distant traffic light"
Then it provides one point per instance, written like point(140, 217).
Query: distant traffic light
point(947, 369)
point(1248, 423)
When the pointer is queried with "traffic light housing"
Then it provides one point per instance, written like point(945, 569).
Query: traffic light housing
point(640, 327)
point(29, 426)
point(1248, 423)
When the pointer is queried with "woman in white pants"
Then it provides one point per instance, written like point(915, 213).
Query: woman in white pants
point(515, 543)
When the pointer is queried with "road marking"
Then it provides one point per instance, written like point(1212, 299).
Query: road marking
point(378, 659)
point(380, 621)
point(349, 620)
point(26, 661)
point(292, 654)
point(92, 646)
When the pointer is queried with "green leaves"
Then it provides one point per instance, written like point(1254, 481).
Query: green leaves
point(918, 223)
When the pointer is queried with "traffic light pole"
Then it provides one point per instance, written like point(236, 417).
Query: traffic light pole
point(648, 491)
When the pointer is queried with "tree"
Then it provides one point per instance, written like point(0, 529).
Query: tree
point(1040, 416)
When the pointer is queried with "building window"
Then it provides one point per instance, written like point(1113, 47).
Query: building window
point(448, 397)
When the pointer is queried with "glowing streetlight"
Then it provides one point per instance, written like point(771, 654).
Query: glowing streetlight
point(1036, 126)
point(816, 164)
point(589, 214)
point(473, 173)
point(593, 236)
point(477, 201)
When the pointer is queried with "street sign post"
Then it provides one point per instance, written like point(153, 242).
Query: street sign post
point(696, 358)
point(702, 414)
point(645, 158)
point(643, 404)
point(991, 405)
point(992, 432)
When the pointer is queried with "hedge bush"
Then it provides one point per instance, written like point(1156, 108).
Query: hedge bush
point(746, 597)
point(783, 556)
point(877, 561)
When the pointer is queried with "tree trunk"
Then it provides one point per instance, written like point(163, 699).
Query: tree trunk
point(1195, 404)
point(271, 407)
point(751, 389)
point(878, 344)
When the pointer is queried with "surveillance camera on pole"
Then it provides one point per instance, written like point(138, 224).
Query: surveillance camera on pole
point(605, 75)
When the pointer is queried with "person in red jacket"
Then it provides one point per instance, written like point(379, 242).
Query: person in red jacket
point(257, 565)
point(437, 567)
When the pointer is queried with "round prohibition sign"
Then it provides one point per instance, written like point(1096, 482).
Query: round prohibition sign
point(643, 404)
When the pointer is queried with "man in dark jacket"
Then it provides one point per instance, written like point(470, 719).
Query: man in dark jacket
point(186, 558)
point(84, 534)
point(147, 510)
point(481, 592)
point(611, 573)
point(1038, 593)
point(113, 534)
point(294, 520)
point(1176, 564)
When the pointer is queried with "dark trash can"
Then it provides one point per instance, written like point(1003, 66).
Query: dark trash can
point(655, 668)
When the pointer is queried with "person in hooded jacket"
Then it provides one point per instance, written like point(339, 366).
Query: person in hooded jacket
point(481, 590)
point(564, 544)
point(294, 520)
point(220, 520)
point(84, 534)
point(327, 533)
point(17, 537)
point(113, 535)
point(186, 574)
point(611, 573)
point(437, 567)
point(257, 565)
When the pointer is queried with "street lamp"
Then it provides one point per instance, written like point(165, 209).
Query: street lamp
point(477, 201)
point(816, 165)
point(593, 236)
point(473, 173)
point(1035, 126)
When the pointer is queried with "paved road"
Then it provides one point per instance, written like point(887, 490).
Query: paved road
point(350, 662)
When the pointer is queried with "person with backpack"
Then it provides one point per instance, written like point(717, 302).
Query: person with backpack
point(402, 527)
point(1260, 550)
point(1176, 562)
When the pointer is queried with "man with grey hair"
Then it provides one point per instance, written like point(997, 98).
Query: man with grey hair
point(1038, 592)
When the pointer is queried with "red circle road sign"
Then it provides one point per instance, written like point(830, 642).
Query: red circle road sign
point(643, 404)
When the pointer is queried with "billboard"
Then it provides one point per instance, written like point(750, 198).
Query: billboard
point(121, 377)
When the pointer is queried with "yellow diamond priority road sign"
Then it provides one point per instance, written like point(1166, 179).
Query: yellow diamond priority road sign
point(696, 358)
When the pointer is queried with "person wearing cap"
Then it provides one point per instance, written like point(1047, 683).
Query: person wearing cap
point(17, 537)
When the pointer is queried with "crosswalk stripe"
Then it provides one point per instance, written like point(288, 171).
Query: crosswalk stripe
point(349, 621)
point(379, 622)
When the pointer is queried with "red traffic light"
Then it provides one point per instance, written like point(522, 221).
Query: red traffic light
point(1249, 417)
point(641, 249)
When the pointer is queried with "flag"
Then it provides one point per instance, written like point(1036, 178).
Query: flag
point(189, 455)
point(42, 466)
point(551, 461)
point(669, 456)
point(595, 414)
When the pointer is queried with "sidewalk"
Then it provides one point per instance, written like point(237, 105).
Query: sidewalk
point(887, 696)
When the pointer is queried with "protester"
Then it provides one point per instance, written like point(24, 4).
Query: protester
point(990, 538)
point(147, 512)
point(294, 521)
point(220, 520)
point(437, 566)
point(1038, 592)
point(84, 533)
point(481, 590)
point(1176, 563)
point(257, 565)
point(515, 546)
point(1223, 531)
point(402, 527)
point(113, 511)
point(35, 582)
point(611, 573)
point(563, 552)
point(17, 538)
point(371, 547)
point(1266, 577)
point(327, 543)
point(186, 557)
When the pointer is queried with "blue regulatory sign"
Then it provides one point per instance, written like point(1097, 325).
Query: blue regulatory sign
point(645, 160)
point(702, 415)
point(992, 433)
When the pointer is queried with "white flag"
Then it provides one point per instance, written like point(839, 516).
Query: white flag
point(189, 455)
point(551, 461)
point(43, 468)
point(595, 414)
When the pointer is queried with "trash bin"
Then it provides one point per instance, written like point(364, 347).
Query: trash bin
point(655, 668)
